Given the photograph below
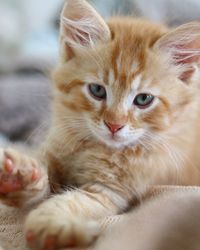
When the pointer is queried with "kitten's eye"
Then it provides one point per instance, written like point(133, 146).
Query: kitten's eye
point(143, 100)
point(97, 91)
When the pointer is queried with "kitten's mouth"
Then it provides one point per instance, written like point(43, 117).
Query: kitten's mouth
point(114, 137)
point(112, 140)
point(118, 141)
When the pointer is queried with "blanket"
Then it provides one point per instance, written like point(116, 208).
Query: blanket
point(167, 218)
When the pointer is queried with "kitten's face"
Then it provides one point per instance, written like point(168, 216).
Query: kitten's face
point(122, 83)
point(120, 93)
point(120, 101)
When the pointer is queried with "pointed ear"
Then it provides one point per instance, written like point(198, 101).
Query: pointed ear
point(81, 27)
point(183, 48)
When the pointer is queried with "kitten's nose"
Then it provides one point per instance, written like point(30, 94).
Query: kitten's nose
point(113, 127)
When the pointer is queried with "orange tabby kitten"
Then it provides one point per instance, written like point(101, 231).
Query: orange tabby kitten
point(126, 115)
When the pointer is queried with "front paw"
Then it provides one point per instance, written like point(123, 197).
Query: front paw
point(50, 229)
point(19, 176)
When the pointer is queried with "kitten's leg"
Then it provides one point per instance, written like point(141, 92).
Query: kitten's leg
point(22, 179)
point(71, 219)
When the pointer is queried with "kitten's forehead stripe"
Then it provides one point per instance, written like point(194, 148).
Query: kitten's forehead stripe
point(129, 48)
point(124, 68)
point(119, 61)
point(114, 60)
point(106, 76)
point(111, 78)
point(136, 83)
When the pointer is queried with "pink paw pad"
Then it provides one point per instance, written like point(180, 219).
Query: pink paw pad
point(72, 243)
point(30, 237)
point(9, 184)
point(9, 165)
point(50, 243)
point(16, 175)
point(35, 175)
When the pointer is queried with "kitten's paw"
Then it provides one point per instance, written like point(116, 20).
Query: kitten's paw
point(49, 230)
point(19, 175)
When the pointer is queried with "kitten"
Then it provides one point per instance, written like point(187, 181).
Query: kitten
point(125, 116)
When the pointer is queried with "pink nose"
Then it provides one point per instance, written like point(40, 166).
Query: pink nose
point(113, 127)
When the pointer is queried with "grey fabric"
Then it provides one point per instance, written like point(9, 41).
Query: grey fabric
point(24, 106)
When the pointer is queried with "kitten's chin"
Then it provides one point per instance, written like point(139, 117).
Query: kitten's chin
point(115, 142)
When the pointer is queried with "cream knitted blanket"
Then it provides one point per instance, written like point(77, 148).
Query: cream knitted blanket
point(167, 219)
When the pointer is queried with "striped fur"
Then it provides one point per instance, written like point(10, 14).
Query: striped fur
point(158, 144)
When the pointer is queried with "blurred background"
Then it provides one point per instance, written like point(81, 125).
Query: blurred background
point(29, 51)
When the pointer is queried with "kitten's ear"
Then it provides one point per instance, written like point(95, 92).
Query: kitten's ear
point(183, 47)
point(81, 27)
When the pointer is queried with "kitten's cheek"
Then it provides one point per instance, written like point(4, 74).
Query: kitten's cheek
point(163, 124)
point(167, 121)
point(95, 104)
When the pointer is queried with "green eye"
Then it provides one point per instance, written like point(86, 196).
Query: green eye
point(143, 100)
point(97, 91)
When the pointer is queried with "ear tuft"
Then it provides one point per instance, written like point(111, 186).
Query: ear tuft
point(183, 48)
point(81, 26)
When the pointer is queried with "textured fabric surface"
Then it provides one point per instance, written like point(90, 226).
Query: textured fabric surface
point(168, 218)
